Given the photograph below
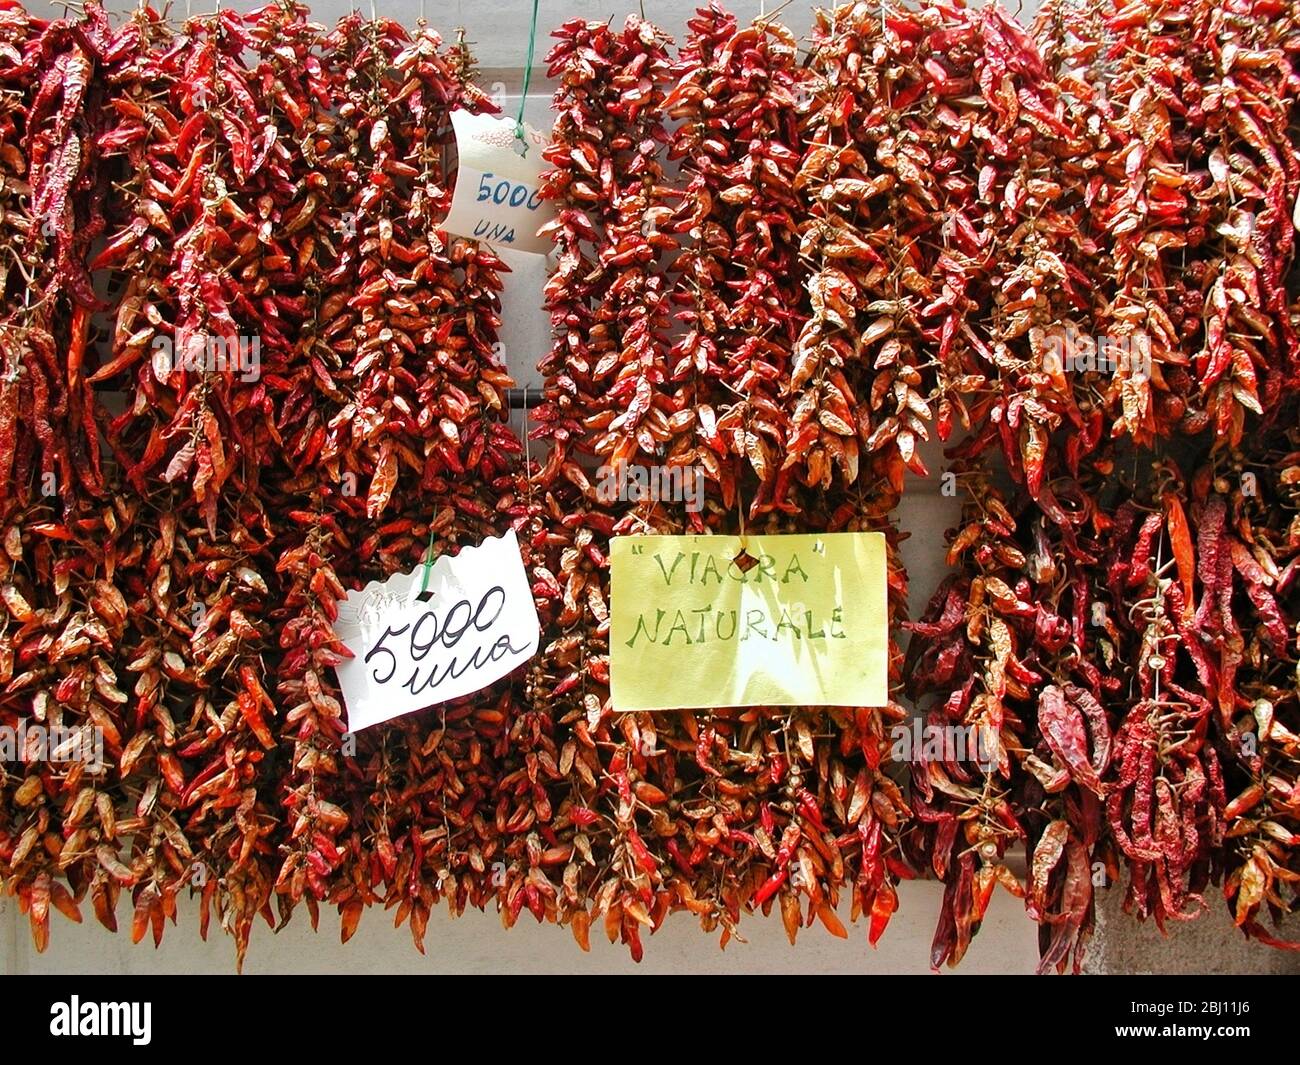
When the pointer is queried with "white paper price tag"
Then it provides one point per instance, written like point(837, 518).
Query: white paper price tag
point(496, 199)
point(478, 624)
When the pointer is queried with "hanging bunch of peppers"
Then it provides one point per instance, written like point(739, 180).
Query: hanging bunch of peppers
point(1137, 636)
point(718, 811)
point(266, 429)
point(64, 613)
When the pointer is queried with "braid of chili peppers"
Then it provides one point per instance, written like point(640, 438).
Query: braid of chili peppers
point(59, 547)
point(633, 321)
point(738, 89)
point(220, 292)
point(1040, 300)
point(362, 339)
point(1159, 807)
point(463, 746)
point(156, 643)
point(871, 153)
point(566, 574)
point(969, 630)
point(1262, 763)
point(293, 85)
point(706, 248)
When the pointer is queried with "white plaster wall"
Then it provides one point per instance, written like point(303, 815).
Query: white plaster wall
point(477, 944)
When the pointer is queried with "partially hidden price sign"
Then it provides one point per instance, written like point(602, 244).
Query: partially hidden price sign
point(476, 623)
point(806, 624)
point(497, 198)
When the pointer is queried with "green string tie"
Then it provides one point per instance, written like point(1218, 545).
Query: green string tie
point(425, 595)
point(528, 77)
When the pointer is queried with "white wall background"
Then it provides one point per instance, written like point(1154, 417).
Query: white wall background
point(476, 943)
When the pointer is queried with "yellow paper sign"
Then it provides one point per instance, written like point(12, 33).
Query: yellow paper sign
point(806, 626)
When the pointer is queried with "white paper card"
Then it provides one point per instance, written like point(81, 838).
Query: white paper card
point(479, 624)
point(496, 199)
